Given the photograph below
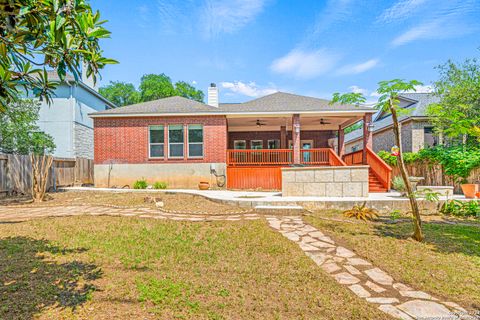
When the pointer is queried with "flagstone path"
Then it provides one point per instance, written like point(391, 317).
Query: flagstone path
point(364, 279)
point(347, 268)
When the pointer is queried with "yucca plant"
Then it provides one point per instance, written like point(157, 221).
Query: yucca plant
point(361, 212)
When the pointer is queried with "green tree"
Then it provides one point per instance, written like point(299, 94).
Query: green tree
point(183, 89)
point(120, 93)
point(36, 35)
point(458, 112)
point(152, 87)
point(156, 86)
point(19, 134)
point(389, 102)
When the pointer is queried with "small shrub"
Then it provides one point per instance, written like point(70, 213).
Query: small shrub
point(395, 215)
point(160, 185)
point(140, 184)
point(398, 184)
point(361, 212)
point(461, 209)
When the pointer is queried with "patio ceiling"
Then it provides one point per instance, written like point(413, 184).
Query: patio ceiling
point(319, 122)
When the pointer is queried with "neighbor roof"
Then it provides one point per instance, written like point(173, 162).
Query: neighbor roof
point(279, 102)
point(417, 108)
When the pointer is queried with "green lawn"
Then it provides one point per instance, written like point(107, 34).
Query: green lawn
point(106, 267)
point(447, 264)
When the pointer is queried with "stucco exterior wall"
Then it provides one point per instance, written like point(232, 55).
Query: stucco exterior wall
point(176, 175)
point(345, 181)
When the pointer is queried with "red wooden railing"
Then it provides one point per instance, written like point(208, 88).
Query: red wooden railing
point(378, 167)
point(260, 157)
point(335, 160)
point(315, 156)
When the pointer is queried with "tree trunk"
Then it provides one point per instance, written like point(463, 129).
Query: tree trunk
point(41, 165)
point(417, 221)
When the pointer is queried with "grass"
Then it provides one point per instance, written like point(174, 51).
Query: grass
point(107, 267)
point(446, 264)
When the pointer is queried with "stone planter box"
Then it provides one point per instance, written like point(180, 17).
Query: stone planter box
point(341, 181)
point(441, 190)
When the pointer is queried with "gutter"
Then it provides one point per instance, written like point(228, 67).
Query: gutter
point(246, 114)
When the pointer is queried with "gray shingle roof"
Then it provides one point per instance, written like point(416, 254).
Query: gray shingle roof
point(418, 106)
point(277, 102)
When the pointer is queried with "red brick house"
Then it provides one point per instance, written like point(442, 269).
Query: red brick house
point(247, 145)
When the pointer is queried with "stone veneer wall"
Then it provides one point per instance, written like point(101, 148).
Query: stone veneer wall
point(83, 141)
point(347, 181)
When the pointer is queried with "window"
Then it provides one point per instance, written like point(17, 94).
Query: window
point(274, 144)
point(175, 141)
point(256, 144)
point(430, 139)
point(239, 145)
point(195, 140)
point(156, 141)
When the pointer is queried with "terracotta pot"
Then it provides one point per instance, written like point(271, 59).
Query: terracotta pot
point(470, 190)
point(203, 185)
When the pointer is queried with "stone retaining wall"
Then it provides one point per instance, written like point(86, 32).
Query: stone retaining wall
point(345, 181)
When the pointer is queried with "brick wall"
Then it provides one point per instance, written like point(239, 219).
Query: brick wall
point(125, 140)
point(320, 138)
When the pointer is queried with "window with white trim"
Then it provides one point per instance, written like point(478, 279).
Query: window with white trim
point(195, 141)
point(239, 145)
point(274, 144)
point(175, 141)
point(156, 139)
point(256, 144)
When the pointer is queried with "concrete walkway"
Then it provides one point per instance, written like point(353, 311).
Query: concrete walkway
point(380, 201)
point(360, 276)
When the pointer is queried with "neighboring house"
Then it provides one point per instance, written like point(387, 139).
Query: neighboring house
point(183, 142)
point(417, 131)
point(66, 118)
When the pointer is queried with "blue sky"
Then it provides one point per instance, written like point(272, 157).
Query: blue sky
point(255, 47)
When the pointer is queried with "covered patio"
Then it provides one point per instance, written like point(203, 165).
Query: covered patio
point(259, 146)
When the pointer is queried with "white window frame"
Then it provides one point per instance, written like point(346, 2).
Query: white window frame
point(156, 143)
point(256, 140)
point(196, 143)
point(235, 142)
point(270, 140)
point(176, 143)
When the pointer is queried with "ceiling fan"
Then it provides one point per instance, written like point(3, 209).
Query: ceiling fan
point(260, 123)
point(323, 122)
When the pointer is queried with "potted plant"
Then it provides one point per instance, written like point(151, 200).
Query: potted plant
point(204, 185)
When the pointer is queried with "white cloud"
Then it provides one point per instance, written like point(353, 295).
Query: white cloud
point(228, 16)
point(194, 82)
point(447, 19)
point(401, 10)
point(248, 89)
point(305, 64)
point(357, 89)
point(358, 68)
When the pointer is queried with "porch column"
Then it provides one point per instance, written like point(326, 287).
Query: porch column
point(283, 137)
point(341, 141)
point(296, 138)
point(367, 136)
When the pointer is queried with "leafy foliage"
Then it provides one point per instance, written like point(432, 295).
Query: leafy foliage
point(140, 184)
point(457, 161)
point(19, 132)
point(458, 112)
point(37, 35)
point(120, 93)
point(152, 87)
point(361, 212)
point(408, 157)
point(160, 185)
point(398, 184)
point(461, 209)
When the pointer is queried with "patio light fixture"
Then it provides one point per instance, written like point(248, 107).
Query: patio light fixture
point(370, 127)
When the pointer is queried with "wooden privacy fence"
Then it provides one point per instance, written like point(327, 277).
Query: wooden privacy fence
point(16, 173)
point(433, 175)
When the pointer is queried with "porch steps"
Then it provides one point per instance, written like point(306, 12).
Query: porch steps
point(374, 185)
